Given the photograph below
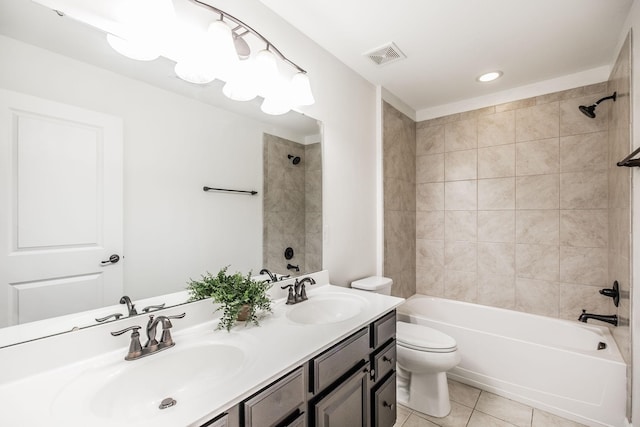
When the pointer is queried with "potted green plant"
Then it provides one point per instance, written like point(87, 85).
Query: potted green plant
point(240, 297)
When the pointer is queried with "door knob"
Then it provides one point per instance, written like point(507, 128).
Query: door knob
point(113, 259)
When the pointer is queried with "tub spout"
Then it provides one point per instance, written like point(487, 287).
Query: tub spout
point(613, 318)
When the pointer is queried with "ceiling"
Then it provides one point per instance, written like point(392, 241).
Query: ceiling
point(449, 43)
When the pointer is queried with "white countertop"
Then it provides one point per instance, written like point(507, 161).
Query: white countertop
point(53, 381)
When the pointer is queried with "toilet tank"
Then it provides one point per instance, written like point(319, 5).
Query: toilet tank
point(377, 284)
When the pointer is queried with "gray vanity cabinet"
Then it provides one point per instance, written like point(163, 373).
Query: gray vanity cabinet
point(351, 384)
point(280, 404)
point(345, 405)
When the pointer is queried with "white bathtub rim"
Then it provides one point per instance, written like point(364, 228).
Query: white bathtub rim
point(612, 353)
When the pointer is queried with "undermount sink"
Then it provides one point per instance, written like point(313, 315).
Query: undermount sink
point(322, 309)
point(135, 389)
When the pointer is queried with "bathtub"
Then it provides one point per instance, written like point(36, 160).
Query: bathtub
point(547, 363)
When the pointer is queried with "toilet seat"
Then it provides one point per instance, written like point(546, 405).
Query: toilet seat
point(423, 338)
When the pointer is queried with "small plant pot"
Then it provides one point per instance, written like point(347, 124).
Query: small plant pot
point(244, 313)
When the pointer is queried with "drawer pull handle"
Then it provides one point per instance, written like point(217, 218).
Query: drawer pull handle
point(388, 405)
point(386, 359)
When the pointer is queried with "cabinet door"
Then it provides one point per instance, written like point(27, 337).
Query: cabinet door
point(346, 405)
point(384, 403)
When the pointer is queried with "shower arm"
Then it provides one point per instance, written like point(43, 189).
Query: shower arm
point(629, 161)
point(605, 98)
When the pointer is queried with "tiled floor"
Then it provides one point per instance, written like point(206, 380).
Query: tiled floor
point(471, 407)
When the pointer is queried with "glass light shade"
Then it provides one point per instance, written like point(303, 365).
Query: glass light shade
point(275, 107)
point(144, 27)
point(225, 57)
point(242, 85)
point(279, 100)
point(194, 72)
point(266, 71)
point(133, 49)
point(301, 90)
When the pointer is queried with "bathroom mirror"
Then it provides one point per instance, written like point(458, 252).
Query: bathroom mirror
point(177, 139)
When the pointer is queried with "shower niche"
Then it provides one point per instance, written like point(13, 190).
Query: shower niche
point(292, 205)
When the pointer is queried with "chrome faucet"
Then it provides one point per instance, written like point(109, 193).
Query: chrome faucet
point(297, 292)
point(131, 308)
point(613, 318)
point(152, 345)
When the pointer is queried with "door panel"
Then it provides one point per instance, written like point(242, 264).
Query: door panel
point(60, 208)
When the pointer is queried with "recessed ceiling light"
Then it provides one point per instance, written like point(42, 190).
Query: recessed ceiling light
point(489, 77)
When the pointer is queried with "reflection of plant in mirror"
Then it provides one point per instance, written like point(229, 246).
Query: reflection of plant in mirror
point(233, 292)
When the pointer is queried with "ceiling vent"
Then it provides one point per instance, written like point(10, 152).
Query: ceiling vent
point(386, 54)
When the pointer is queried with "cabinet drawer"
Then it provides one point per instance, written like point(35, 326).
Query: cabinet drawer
point(276, 402)
point(384, 403)
point(384, 361)
point(336, 361)
point(383, 329)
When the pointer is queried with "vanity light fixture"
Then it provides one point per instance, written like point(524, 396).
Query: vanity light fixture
point(227, 56)
point(489, 77)
point(146, 29)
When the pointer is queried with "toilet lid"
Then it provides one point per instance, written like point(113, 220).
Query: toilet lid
point(420, 337)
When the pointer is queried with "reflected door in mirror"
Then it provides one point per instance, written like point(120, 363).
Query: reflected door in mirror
point(61, 215)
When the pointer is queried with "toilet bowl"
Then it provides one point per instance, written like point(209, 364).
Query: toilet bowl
point(424, 355)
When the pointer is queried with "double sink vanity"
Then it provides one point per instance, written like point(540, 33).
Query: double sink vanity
point(327, 361)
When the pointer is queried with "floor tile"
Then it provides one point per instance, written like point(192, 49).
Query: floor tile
point(458, 417)
point(401, 415)
point(478, 419)
point(416, 421)
point(545, 419)
point(463, 393)
point(504, 409)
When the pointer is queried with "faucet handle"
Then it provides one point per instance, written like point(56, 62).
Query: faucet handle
point(135, 349)
point(152, 307)
point(291, 298)
point(115, 316)
point(166, 340)
point(176, 316)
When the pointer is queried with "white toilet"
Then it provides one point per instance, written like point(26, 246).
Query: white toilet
point(424, 357)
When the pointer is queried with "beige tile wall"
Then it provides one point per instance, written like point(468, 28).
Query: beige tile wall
point(292, 206)
point(512, 205)
point(399, 165)
point(619, 206)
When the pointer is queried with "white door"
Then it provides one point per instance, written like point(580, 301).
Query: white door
point(60, 209)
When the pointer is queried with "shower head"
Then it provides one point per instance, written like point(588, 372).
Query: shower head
point(590, 111)
point(294, 159)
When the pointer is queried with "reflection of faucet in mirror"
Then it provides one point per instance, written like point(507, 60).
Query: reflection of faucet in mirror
point(131, 308)
point(114, 316)
point(152, 308)
point(272, 277)
point(293, 267)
